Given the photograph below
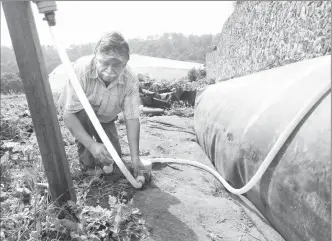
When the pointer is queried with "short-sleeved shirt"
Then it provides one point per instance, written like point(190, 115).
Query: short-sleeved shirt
point(107, 102)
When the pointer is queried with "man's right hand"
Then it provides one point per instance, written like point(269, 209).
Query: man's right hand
point(99, 152)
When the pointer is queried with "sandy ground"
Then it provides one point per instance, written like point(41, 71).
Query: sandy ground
point(186, 203)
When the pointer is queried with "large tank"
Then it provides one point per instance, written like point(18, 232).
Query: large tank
point(238, 121)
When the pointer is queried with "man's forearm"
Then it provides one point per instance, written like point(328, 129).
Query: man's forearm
point(76, 128)
point(133, 133)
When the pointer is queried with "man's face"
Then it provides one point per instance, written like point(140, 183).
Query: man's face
point(109, 67)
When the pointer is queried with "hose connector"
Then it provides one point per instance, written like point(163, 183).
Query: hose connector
point(147, 164)
point(50, 18)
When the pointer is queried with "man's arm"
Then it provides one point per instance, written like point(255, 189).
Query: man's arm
point(76, 128)
point(133, 132)
point(131, 114)
point(98, 150)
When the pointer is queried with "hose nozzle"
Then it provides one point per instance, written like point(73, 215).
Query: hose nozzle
point(47, 8)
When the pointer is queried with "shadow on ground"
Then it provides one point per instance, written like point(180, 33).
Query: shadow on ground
point(156, 205)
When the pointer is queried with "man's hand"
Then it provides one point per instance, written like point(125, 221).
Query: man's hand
point(100, 153)
point(141, 170)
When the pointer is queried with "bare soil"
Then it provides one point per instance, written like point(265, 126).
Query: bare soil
point(181, 202)
point(184, 202)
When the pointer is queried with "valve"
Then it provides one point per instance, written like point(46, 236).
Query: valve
point(50, 18)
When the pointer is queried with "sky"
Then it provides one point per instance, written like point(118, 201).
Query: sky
point(81, 22)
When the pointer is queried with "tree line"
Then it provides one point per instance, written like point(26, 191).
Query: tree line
point(175, 46)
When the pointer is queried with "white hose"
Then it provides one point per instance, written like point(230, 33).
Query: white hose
point(87, 107)
point(138, 184)
point(268, 159)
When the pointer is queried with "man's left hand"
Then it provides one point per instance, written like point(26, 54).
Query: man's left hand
point(141, 170)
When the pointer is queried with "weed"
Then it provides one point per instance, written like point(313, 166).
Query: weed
point(27, 212)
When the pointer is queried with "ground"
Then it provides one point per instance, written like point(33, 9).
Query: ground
point(181, 202)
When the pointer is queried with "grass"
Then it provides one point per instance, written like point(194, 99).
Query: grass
point(27, 212)
point(183, 84)
point(180, 109)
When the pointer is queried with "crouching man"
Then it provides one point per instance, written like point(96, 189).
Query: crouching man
point(110, 88)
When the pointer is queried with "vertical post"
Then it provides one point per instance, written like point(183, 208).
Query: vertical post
point(25, 40)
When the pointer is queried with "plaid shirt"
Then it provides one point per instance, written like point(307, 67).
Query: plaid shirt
point(107, 102)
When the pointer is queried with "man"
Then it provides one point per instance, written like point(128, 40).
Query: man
point(110, 88)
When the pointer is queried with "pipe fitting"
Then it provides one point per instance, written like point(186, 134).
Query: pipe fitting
point(50, 18)
point(147, 164)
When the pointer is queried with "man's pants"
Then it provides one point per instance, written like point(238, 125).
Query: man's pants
point(85, 157)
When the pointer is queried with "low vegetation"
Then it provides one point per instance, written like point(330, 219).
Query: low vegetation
point(27, 212)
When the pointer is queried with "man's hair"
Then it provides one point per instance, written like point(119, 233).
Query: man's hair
point(112, 42)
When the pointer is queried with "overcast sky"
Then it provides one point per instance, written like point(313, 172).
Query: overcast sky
point(85, 21)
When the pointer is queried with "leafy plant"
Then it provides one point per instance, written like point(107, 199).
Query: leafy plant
point(27, 212)
point(192, 75)
point(11, 83)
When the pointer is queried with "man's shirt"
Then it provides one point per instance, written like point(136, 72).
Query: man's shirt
point(107, 102)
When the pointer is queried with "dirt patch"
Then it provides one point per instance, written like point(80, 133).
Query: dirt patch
point(181, 203)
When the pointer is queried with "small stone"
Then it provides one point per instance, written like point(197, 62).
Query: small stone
point(10, 145)
point(29, 130)
point(26, 113)
point(5, 158)
point(14, 157)
point(3, 196)
point(17, 148)
point(141, 221)
point(25, 192)
point(18, 192)
point(303, 13)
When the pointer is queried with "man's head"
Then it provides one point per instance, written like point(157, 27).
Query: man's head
point(111, 56)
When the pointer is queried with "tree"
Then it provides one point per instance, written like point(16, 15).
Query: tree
point(169, 45)
point(192, 75)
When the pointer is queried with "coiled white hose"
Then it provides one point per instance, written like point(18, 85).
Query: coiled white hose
point(137, 183)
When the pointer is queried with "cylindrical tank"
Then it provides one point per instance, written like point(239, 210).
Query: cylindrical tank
point(238, 121)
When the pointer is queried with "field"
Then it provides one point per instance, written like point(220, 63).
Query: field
point(158, 68)
point(180, 203)
point(159, 73)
